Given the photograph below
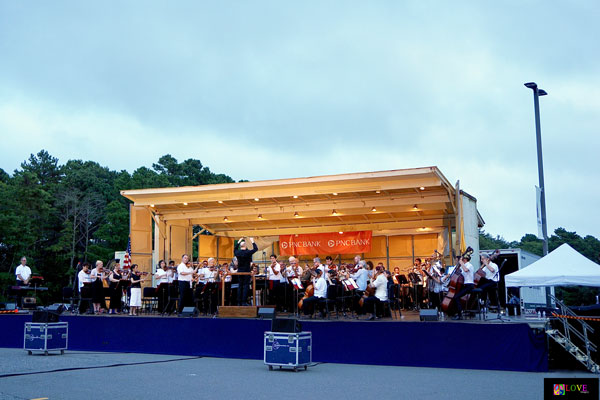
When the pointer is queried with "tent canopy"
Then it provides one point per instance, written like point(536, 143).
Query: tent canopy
point(562, 267)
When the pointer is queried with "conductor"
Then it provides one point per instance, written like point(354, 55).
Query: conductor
point(244, 257)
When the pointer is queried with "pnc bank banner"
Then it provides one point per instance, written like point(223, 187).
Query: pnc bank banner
point(325, 243)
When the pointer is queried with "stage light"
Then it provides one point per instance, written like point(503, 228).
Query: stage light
point(341, 233)
point(296, 214)
point(151, 205)
point(225, 219)
point(373, 209)
point(422, 188)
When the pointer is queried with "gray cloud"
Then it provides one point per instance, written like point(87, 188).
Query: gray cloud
point(314, 88)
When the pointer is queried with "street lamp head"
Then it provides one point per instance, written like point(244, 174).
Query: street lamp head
point(542, 92)
point(531, 85)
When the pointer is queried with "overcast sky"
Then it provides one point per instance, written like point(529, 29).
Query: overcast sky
point(282, 89)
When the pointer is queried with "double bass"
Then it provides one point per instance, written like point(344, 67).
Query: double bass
point(457, 281)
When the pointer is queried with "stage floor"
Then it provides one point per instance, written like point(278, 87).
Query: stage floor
point(407, 316)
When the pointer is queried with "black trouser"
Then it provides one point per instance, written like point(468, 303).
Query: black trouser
point(184, 294)
point(18, 297)
point(309, 304)
point(163, 296)
point(356, 303)
point(85, 298)
point(468, 288)
point(489, 290)
point(372, 304)
point(115, 298)
point(243, 290)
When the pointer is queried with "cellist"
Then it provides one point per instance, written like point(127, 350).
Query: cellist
point(467, 270)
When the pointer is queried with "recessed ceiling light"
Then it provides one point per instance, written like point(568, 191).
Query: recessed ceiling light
point(256, 199)
point(295, 196)
point(378, 191)
point(415, 207)
point(220, 201)
point(151, 205)
point(335, 194)
point(422, 188)
point(296, 214)
point(225, 219)
point(334, 212)
point(373, 209)
point(341, 233)
point(259, 216)
point(185, 204)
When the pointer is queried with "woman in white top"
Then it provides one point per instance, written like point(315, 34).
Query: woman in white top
point(135, 302)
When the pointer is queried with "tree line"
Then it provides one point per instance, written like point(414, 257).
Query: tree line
point(58, 214)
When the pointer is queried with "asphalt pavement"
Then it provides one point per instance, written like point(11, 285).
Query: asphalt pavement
point(90, 375)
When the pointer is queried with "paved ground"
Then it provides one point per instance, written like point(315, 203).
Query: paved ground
point(88, 375)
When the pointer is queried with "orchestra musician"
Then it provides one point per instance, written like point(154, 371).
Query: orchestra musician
point(85, 288)
point(244, 257)
point(116, 292)
point(185, 275)
point(274, 275)
point(467, 270)
point(209, 291)
point(489, 283)
point(135, 301)
point(360, 277)
point(162, 285)
point(320, 293)
point(23, 273)
point(22, 276)
point(235, 285)
point(373, 302)
point(98, 276)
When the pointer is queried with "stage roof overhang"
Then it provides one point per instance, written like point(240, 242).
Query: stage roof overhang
point(407, 201)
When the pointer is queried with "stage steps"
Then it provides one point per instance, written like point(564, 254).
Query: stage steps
point(583, 355)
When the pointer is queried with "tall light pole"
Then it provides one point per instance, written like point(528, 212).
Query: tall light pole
point(537, 92)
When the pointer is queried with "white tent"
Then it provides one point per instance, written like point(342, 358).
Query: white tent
point(562, 267)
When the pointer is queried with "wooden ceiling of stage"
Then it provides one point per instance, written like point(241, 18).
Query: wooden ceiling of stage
point(409, 201)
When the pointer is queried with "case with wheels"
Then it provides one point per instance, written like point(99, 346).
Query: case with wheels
point(289, 350)
point(45, 337)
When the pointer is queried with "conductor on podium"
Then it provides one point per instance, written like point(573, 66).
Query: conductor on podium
point(244, 257)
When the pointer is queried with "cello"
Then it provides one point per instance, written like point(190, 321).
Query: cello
point(457, 281)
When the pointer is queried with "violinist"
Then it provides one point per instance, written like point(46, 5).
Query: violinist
point(467, 270)
point(85, 288)
point(360, 277)
point(162, 284)
point(373, 301)
point(209, 294)
point(116, 293)
point(274, 276)
point(97, 277)
point(135, 301)
point(489, 283)
point(185, 274)
point(320, 293)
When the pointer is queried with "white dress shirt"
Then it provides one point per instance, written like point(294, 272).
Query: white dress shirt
point(321, 288)
point(184, 268)
point(271, 270)
point(380, 285)
point(161, 276)
point(492, 275)
point(468, 274)
point(82, 277)
point(24, 271)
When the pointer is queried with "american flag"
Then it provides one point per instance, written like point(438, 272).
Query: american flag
point(127, 257)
